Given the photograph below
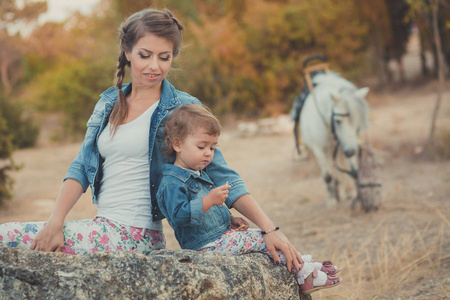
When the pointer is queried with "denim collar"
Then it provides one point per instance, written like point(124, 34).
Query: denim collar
point(169, 98)
point(184, 174)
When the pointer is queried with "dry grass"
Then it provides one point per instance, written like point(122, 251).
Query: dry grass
point(441, 147)
point(388, 266)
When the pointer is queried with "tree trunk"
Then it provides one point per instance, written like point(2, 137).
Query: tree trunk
point(441, 69)
point(4, 76)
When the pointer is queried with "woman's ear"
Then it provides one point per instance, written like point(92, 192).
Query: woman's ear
point(127, 56)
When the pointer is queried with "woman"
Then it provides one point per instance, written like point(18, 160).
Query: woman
point(121, 158)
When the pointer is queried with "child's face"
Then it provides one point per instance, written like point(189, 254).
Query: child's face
point(196, 151)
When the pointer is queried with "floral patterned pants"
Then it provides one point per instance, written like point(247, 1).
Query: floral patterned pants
point(86, 236)
point(251, 240)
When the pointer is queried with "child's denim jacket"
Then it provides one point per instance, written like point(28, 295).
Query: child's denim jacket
point(180, 200)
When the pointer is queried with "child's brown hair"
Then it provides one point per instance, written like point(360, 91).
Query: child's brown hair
point(184, 121)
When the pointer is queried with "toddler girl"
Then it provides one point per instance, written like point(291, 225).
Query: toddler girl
point(194, 206)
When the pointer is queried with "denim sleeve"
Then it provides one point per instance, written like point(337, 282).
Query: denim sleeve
point(79, 167)
point(176, 207)
point(219, 172)
point(76, 170)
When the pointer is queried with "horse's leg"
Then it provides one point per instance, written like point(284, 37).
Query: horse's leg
point(327, 175)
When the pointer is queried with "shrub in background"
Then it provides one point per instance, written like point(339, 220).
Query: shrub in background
point(22, 130)
point(6, 162)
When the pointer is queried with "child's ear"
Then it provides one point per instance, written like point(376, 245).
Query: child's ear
point(176, 144)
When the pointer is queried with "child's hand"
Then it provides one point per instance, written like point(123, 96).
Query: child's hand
point(219, 194)
point(238, 224)
point(216, 196)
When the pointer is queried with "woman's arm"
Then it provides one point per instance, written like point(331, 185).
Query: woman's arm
point(51, 237)
point(274, 240)
point(240, 199)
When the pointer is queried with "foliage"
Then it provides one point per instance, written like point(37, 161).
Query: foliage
point(22, 130)
point(400, 27)
point(75, 88)
point(251, 64)
point(421, 12)
point(70, 66)
point(389, 29)
point(14, 129)
point(6, 163)
point(12, 46)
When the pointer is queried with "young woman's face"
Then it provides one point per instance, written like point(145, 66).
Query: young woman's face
point(196, 151)
point(150, 60)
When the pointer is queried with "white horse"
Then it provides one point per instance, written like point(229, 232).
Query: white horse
point(334, 113)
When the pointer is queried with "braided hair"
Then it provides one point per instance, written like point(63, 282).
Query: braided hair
point(160, 23)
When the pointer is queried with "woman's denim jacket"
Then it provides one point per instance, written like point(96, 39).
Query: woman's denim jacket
point(86, 167)
point(180, 199)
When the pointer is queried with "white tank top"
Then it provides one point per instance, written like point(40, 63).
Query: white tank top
point(124, 194)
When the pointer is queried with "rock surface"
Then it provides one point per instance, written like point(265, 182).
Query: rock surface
point(164, 274)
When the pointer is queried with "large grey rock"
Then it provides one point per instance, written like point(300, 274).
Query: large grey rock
point(164, 274)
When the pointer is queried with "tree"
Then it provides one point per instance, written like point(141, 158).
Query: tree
point(75, 61)
point(249, 62)
point(423, 16)
point(425, 8)
point(400, 27)
point(12, 49)
point(11, 53)
point(441, 68)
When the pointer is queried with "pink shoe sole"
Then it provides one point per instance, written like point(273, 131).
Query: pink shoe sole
point(308, 287)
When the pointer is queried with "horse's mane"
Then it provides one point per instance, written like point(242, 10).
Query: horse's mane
point(334, 83)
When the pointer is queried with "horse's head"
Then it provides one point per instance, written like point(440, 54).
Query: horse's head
point(349, 117)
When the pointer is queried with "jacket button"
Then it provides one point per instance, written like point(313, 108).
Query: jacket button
point(196, 186)
point(210, 186)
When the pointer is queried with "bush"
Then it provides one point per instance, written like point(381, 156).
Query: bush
point(23, 132)
point(6, 163)
point(75, 88)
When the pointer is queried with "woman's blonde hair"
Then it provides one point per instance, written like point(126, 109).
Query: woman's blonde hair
point(160, 23)
point(185, 120)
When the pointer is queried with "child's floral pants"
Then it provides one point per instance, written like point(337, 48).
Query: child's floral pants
point(251, 240)
point(86, 236)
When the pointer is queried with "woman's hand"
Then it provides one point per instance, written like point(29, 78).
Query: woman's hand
point(276, 240)
point(50, 238)
point(238, 223)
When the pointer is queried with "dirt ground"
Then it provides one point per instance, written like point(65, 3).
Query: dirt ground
point(401, 251)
